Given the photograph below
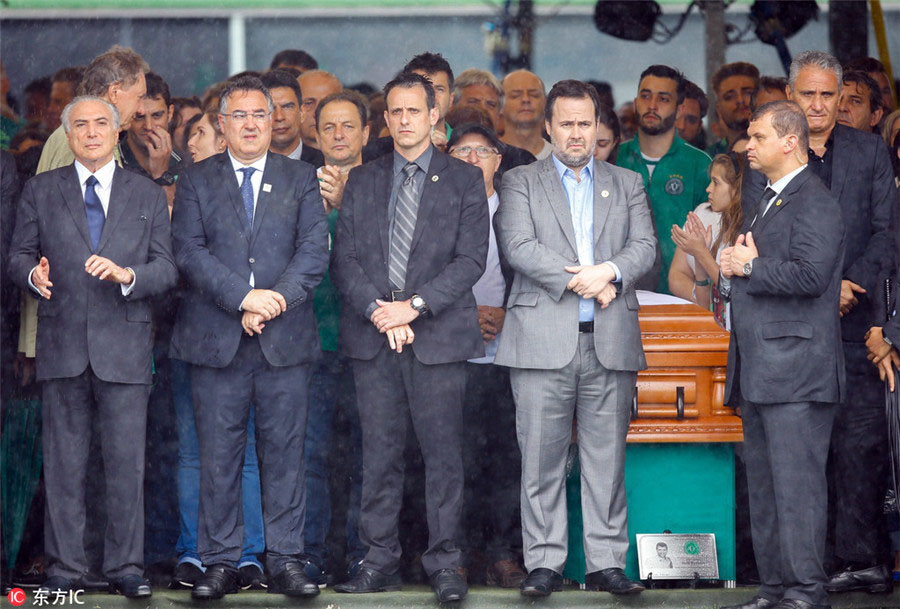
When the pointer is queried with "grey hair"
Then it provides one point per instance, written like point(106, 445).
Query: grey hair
point(474, 76)
point(244, 84)
point(117, 119)
point(815, 59)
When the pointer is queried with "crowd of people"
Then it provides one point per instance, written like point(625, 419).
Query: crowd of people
point(288, 265)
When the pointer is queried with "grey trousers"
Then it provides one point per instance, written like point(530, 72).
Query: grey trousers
point(546, 403)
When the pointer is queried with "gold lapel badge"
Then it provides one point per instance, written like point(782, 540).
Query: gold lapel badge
point(434, 178)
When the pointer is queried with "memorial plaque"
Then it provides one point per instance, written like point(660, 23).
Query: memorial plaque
point(674, 556)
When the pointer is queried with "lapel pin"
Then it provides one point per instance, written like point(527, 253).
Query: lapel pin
point(434, 178)
point(778, 203)
point(604, 193)
point(267, 188)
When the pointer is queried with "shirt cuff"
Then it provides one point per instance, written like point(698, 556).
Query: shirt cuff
point(241, 308)
point(616, 269)
point(30, 284)
point(126, 289)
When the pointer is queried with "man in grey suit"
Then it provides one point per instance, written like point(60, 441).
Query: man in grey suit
point(785, 361)
point(578, 233)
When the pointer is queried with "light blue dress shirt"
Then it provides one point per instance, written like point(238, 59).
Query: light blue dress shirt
point(581, 205)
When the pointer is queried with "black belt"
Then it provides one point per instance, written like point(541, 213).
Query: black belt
point(396, 295)
point(585, 327)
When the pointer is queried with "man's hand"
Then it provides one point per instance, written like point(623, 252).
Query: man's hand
point(886, 368)
point(40, 277)
point(390, 315)
point(725, 262)
point(399, 336)
point(331, 186)
point(606, 295)
point(878, 349)
point(439, 139)
point(107, 270)
point(590, 280)
point(490, 320)
point(252, 323)
point(744, 251)
point(268, 303)
point(159, 151)
point(849, 290)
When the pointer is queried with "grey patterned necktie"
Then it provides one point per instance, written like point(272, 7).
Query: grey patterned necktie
point(762, 207)
point(404, 227)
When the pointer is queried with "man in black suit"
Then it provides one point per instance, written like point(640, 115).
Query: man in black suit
point(411, 241)
point(251, 241)
point(856, 167)
point(785, 363)
point(105, 234)
point(287, 118)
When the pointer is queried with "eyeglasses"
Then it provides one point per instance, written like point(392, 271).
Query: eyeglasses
point(480, 151)
point(239, 116)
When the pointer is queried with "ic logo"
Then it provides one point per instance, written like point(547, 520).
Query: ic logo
point(16, 597)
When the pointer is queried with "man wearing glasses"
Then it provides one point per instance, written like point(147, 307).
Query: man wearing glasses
point(252, 242)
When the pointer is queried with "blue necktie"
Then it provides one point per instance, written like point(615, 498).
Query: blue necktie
point(247, 193)
point(94, 211)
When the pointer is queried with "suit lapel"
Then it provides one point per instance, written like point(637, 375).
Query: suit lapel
point(277, 188)
point(602, 198)
point(429, 196)
point(119, 197)
point(382, 200)
point(558, 200)
point(229, 190)
point(782, 200)
point(841, 161)
point(72, 195)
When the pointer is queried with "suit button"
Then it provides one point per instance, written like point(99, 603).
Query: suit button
point(253, 261)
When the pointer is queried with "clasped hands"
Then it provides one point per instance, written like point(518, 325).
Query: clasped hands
point(733, 258)
point(392, 319)
point(97, 266)
point(883, 355)
point(593, 281)
point(260, 306)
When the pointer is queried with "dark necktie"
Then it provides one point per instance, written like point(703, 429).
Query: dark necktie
point(94, 211)
point(404, 227)
point(761, 207)
point(247, 193)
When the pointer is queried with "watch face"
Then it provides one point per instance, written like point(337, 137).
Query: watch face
point(417, 301)
point(748, 268)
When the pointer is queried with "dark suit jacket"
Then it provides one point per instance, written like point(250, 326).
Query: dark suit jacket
point(786, 336)
point(312, 156)
point(447, 257)
point(287, 251)
point(862, 183)
point(88, 321)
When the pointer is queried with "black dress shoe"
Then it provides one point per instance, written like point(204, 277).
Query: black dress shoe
point(757, 602)
point(216, 582)
point(369, 580)
point(56, 582)
point(795, 603)
point(541, 582)
point(612, 580)
point(292, 581)
point(448, 586)
point(876, 580)
point(131, 586)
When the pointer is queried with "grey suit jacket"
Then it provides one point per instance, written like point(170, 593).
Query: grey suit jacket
point(535, 231)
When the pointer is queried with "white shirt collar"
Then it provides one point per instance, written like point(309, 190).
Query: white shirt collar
point(104, 175)
point(779, 185)
point(296, 152)
point(259, 164)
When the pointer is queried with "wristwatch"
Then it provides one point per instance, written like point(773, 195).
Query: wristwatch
point(418, 303)
point(748, 268)
point(166, 179)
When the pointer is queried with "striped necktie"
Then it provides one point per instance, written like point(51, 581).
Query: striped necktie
point(404, 227)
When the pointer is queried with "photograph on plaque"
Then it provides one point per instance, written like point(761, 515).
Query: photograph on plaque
point(676, 556)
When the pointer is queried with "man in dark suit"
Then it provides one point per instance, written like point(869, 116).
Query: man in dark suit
point(287, 118)
point(105, 233)
point(856, 167)
point(785, 363)
point(251, 240)
point(411, 241)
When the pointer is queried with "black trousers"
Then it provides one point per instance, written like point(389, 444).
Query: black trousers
point(858, 464)
point(391, 389)
point(492, 464)
point(222, 398)
point(121, 410)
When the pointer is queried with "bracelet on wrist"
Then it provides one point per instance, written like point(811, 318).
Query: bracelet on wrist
point(701, 283)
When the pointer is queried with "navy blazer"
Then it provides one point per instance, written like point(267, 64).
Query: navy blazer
point(786, 335)
point(216, 251)
point(88, 321)
point(447, 257)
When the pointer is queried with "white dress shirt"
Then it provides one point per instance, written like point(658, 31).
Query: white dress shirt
point(256, 179)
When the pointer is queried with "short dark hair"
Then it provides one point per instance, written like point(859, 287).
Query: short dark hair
point(294, 57)
point(773, 83)
point(461, 115)
point(604, 92)
point(571, 89)
point(347, 95)
point(738, 68)
point(864, 64)
point(692, 91)
point(661, 71)
point(430, 63)
point(469, 128)
point(243, 83)
point(787, 119)
point(119, 64)
point(863, 78)
point(157, 87)
point(41, 86)
point(273, 79)
point(71, 74)
point(408, 80)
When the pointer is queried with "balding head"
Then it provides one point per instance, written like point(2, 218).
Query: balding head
point(315, 86)
point(524, 97)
